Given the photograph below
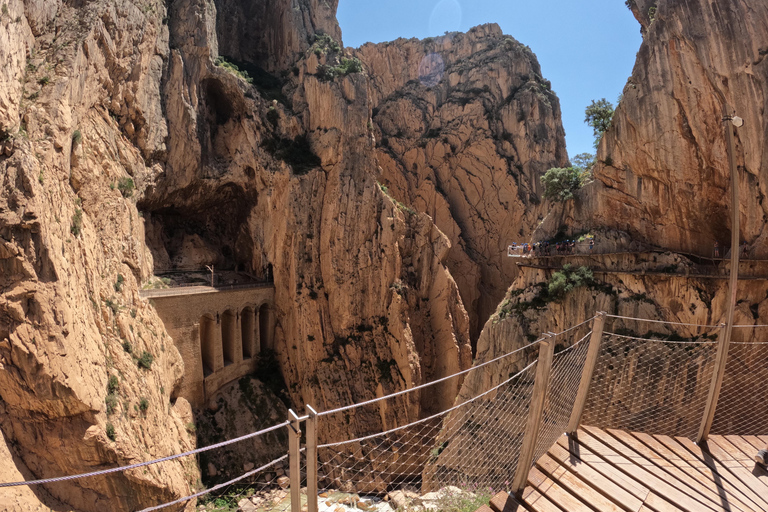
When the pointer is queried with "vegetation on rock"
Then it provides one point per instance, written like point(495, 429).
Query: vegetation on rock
point(561, 182)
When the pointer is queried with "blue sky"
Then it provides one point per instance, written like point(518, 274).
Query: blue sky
point(587, 48)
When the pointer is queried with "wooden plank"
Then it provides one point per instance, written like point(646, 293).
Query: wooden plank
point(721, 357)
point(605, 468)
point(609, 469)
point(745, 447)
point(698, 470)
point(757, 445)
point(586, 374)
point(663, 465)
point(745, 460)
point(745, 479)
point(556, 493)
point(632, 466)
point(575, 485)
point(619, 495)
point(484, 508)
point(535, 416)
point(504, 502)
point(715, 466)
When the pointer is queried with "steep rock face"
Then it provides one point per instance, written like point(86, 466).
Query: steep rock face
point(364, 304)
point(72, 254)
point(273, 33)
point(662, 178)
point(663, 174)
point(465, 127)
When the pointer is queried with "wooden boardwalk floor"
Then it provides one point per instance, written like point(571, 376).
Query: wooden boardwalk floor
point(615, 471)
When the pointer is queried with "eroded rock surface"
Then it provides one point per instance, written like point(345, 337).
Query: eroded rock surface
point(465, 126)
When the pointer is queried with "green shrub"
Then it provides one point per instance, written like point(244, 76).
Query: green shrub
point(111, 431)
point(77, 222)
point(126, 186)
point(44, 80)
point(351, 65)
point(568, 279)
point(652, 14)
point(111, 401)
point(112, 385)
point(119, 283)
point(143, 404)
point(5, 8)
point(146, 359)
point(560, 183)
point(127, 346)
point(599, 115)
point(77, 137)
point(111, 304)
point(232, 68)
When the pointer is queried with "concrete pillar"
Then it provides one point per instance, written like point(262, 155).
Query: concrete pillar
point(247, 333)
point(229, 334)
point(217, 346)
point(256, 333)
point(238, 348)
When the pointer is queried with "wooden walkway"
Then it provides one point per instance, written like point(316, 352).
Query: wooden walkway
point(615, 471)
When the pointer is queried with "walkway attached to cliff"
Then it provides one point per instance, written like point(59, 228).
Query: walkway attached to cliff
point(695, 275)
point(614, 470)
point(193, 290)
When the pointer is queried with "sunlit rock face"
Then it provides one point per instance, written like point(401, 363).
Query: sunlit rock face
point(465, 126)
point(663, 172)
point(663, 179)
point(277, 176)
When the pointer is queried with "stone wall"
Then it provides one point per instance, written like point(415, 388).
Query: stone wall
point(218, 334)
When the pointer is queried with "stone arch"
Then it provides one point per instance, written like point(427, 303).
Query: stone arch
point(248, 331)
point(208, 343)
point(266, 327)
point(228, 337)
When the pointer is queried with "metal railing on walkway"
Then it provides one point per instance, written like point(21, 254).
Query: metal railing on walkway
point(510, 412)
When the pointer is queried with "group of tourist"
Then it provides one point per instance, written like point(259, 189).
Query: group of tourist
point(545, 248)
point(717, 250)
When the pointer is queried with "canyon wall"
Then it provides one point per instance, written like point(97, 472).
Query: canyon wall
point(81, 113)
point(663, 172)
point(465, 126)
point(661, 179)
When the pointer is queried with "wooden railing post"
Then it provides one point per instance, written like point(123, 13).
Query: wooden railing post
point(294, 439)
point(586, 374)
point(721, 358)
point(535, 411)
point(311, 459)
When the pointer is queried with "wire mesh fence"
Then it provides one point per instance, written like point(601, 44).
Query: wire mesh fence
point(742, 408)
point(407, 440)
point(564, 383)
point(454, 447)
point(651, 386)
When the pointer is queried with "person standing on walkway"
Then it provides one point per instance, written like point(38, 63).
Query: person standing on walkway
point(744, 250)
point(591, 244)
point(717, 249)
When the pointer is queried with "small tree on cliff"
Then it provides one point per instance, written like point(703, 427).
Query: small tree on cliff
point(598, 115)
point(560, 183)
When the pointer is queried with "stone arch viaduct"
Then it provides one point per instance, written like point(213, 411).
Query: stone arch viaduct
point(219, 333)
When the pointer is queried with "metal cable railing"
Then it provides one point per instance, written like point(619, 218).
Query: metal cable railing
point(495, 434)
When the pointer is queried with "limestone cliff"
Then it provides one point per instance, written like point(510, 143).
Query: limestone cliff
point(128, 146)
point(663, 172)
point(662, 180)
point(80, 86)
point(465, 126)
